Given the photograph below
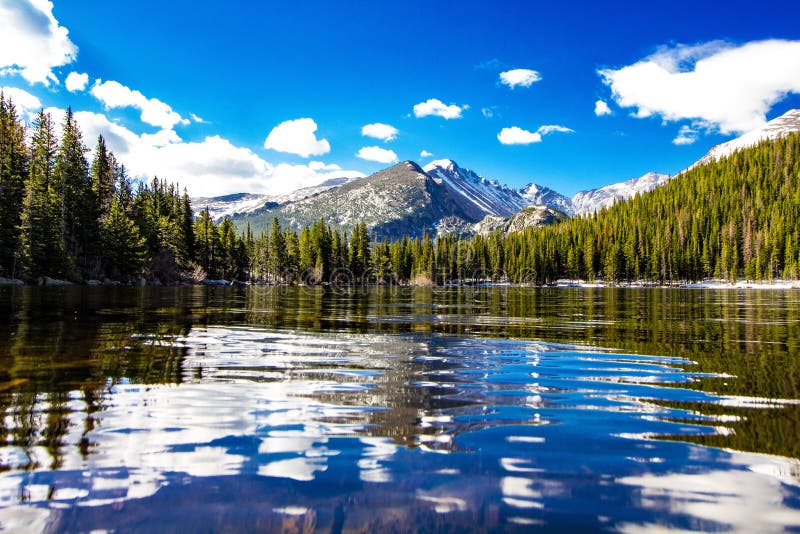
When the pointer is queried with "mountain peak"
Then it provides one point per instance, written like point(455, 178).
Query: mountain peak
point(406, 165)
point(540, 195)
point(447, 164)
point(487, 196)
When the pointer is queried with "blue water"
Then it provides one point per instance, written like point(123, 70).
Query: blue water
point(275, 429)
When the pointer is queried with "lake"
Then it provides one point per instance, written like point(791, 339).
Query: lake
point(301, 409)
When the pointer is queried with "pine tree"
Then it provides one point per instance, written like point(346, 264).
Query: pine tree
point(206, 242)
point(187, 218)
point(13, 172)
point(103, 174)
point(78, 223)
point(229, 259)
point(125, 251)
point(41, 245)
point(277, 252)
point(359, 250)
point(124, 189)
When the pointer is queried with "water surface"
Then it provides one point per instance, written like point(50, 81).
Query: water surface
point(398, 409)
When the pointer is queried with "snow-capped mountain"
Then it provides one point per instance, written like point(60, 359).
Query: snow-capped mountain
point(244, 203)
point(406, 200)
point(401, 200)
point(787, 123)
point(229, 205)
point(539, 195)
point(489, 196)
point(587, 202)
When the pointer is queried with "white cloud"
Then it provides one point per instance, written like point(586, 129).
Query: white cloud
point(297, 137)
point(487, 112)
point(76, 81)
point(385, 132)
point(297, 176)
point(161, 138)
point(519, 77)
point(686, 136)
point(376, 153)
point(436, 107)
point(195, 118)
point(720, 85)
point(32, 42)
point(518, 136)
point(320, 166)
point(425, 154)
point(211, 167)
point(23, 100)
point(155, 112)
point(601, 108)
point(550, 128)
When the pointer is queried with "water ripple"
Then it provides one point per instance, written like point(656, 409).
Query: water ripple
point(537, 429)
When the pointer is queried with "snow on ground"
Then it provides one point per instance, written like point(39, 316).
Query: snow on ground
point(744, 284)
point(705, 284)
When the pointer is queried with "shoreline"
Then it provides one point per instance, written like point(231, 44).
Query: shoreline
point(778, 284)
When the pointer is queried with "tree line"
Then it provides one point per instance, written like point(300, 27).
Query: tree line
point(62, 216)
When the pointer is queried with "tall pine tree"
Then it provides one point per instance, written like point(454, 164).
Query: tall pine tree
point(13, 171)
point(40, 240)
point(103, 174)
point(78, 223)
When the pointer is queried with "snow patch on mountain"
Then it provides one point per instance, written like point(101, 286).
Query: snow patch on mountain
point(779, 127)
point(229, 205)
point(489, 196)
point(244, 203)
point(539, 195)
point(593, 200)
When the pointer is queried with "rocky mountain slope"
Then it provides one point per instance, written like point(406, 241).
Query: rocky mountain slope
point(405, 199)
point(533, 216)
point(488, 196)
point(539, 195)
point(240, 204)
point(401, 200)
point(527, 217)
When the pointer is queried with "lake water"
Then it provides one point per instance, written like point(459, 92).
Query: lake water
point(398, 409)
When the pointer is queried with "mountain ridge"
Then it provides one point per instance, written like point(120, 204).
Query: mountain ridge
point(777, 127)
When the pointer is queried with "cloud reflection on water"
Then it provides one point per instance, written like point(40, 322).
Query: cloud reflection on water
point(526, 426)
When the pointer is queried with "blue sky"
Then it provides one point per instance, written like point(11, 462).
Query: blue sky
point(676, 77)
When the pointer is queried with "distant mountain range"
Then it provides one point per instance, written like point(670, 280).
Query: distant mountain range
point(238, 204)
point(443, 197)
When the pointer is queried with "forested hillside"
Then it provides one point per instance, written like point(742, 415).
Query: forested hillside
point(734, 218)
